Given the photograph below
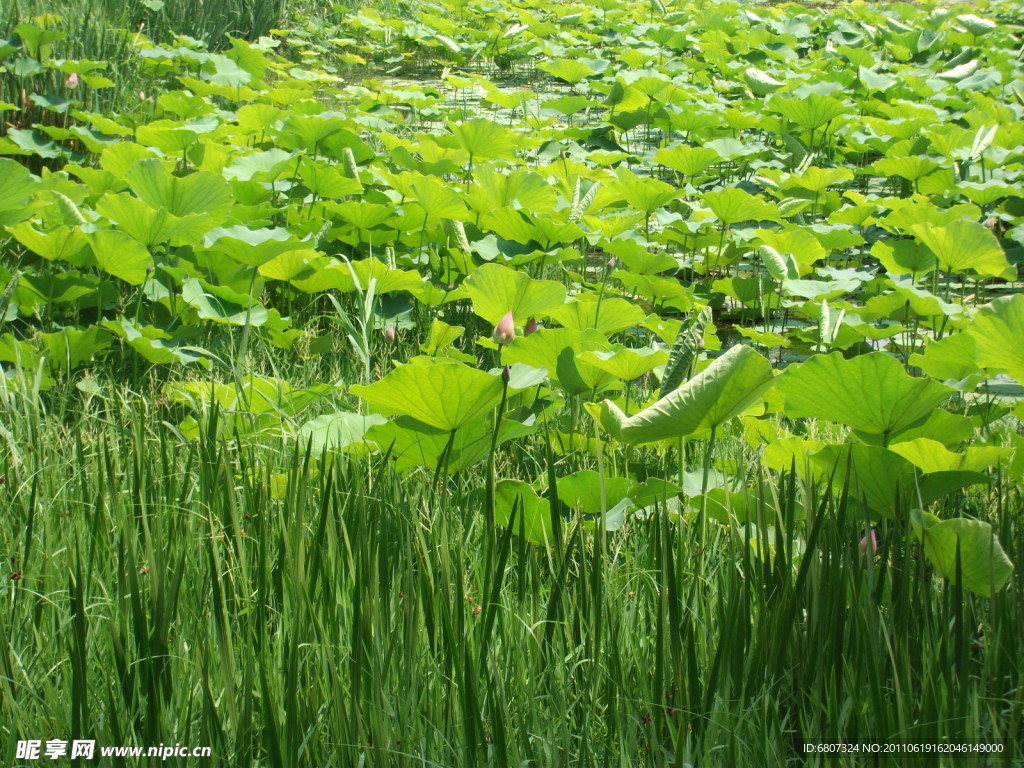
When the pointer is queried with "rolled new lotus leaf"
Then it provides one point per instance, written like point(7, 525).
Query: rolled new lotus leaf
point(721, 391)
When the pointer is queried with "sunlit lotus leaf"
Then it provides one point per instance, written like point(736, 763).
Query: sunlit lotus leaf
point(336, 431)
point(952, 358)
point(607, 316)
point(328, 181)
point(156, 345)
point(524, 189)
point(437, 200)
point(625, 363)
point(643, 194)
point(169, 136)
point(151, 226)
point(923, 301)
point(556, 351)
point(441, 335)
point(997, 330)
point(66, 243)
point(932, 456)
point(361, 214)
point(904, 257)
point(440, 394)
point(965, 245)
point(120, 255)
point(911, 168)
point(569, 70)
point(291, 265)
point(495, 290)
point(874, 475)
point(760, 82)
point(984, 565)
point(689, 161)
point(70, 347)
point(222, 305)
point(251, 246)
point(16, 186)
point(483, 138)
point(718, 393)
point(532, 513)
point(811, 113)
point(582, 490)
point(356, 276)
point(732, 206)
point(200, 192)
point(870, 393)
point(309, 132)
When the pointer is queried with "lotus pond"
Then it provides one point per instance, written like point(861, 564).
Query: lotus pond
point(473, 383)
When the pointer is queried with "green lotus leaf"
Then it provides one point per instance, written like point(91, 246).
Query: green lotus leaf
point(68, 348)
point(689, 161)
point(337, 431)
point(356, 275)
point(625, 363)
point(718, 393)
point(556, 350)
point(222, 305)
point(949, 359)
point(495, 290)
point(904, 257)
point(870, 393)
point(252, 247)
point(494, 190)
point(16, 187)
point(66, 243)
point(571, 71)
point(440, 394)
point(200, 192)
point(997, 331)
point(875, 476)
point(156, 345)
point(965, 245)
point(812, 112)
point(582, 490)
point(733, 206)
point(932, 456)
point(483, 138)
point(984, 565)
point(644, 194)
point(607, 316)
point(121, 256)
point(533, 513)
point(151, 227)
point(328, 181)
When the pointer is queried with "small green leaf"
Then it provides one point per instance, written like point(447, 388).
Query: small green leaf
point(870, 393)
point(984, 566)
point(440, 394)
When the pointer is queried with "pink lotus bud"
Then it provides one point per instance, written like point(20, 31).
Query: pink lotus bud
point(389, 334)
point(505, 330)
point(991, 222)
point(72, 81)
point(870, 540)
point(142, 95)
point(612, 262)
point(530, 327)
point(506, 374)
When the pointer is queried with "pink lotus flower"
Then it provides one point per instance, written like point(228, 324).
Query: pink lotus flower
point(870, 540)
point(72, 81)
point(389, 334)
point(505, 330)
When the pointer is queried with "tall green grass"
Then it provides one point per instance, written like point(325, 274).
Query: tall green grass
point(290, 612)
